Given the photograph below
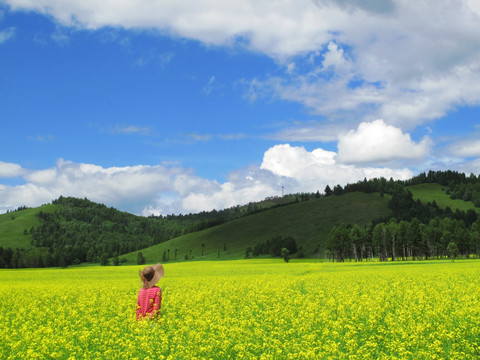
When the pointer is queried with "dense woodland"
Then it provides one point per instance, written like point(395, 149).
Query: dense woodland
point(84, 231)
point(440, 237)
point(416, 230)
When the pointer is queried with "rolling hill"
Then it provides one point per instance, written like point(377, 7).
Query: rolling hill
point(83, 231)
point(13, 225)
point(309, 222)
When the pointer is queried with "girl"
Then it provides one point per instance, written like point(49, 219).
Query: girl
point(150, 296)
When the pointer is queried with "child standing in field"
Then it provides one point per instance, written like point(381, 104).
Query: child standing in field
point(150, 296)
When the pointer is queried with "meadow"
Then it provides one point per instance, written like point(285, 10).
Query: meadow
point(435, 192)
point(246, 309)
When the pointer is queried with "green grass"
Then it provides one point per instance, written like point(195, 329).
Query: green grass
point(13, 225)
point(308, 222)
point(430, 192)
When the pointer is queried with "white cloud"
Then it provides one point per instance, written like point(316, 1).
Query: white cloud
point(8, 170)
point(335, 59)
point(118, 186)
point(374, 6)
point(131, 129)
point(472, 167)
point(44, 177)
point(6, 34)
point(351, 61)
point(200, 137)
point(161, 189)
point(466, 148)
point(276, 30)
point(231, 136)
point(314, 170)
point(378, 142)
point(403, 65)
point(152, 57)
point(310, 132)
point(207, 89)
point(227, 195)
point(406, 61)
point(290, 68)
point(12, 197)
point(296, 162)
point(60, 36)
point(474, 5)
point(138, 189)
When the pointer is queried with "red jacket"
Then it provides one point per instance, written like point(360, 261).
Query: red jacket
point(149, 302)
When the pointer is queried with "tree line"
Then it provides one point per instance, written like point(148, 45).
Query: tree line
point(273, 247)
point(84, 231)
point(404, 240)
point(457, 185)
point(414, 231)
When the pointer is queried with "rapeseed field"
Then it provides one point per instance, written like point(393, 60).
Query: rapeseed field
point(252, 309)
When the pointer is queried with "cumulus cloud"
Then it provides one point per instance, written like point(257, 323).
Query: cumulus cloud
point(118, 186)
point(313, 170)
point(296, 162)
point(11, 197)
point(402, 66)
point(163, 189)
point(229, 194)
point(379, 142)
point(350, 61)
point(139, 189)
point(406, 61)
point(8, 170)
point(466, 148)
point(335, 59)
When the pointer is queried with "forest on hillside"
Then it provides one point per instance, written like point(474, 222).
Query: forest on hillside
point(85, 231)
point(415, 231)
point(445, 234)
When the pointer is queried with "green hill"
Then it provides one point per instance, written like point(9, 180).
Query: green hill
point(71, 231)
point(309, 222)
point(435, 192)
point(13, 225)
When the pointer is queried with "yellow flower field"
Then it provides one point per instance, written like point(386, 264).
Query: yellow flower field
point(252, 309)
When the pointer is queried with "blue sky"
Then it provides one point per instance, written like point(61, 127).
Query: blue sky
point(180, 107)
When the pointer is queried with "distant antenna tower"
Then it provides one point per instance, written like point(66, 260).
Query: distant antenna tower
point(282, 190)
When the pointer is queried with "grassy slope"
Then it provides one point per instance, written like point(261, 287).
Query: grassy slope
point(429, 192)
point(12, 226)
point(308, 222)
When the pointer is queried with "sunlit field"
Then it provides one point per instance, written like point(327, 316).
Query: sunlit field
point(252, 309)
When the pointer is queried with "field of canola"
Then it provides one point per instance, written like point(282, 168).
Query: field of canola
point(252, 309)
